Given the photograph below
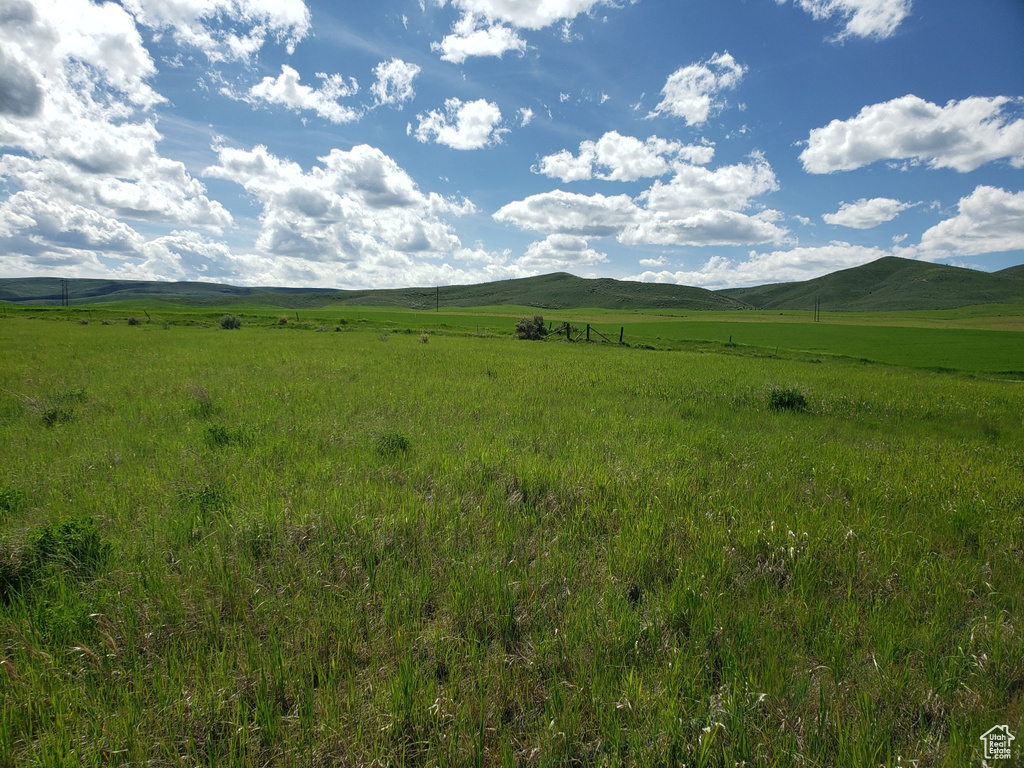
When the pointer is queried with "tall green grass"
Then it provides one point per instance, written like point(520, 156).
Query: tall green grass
point(325, 549)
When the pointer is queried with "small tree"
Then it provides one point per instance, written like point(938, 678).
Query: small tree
point(532, 329)
point(230, 322)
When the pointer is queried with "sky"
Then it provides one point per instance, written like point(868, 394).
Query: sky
point(345, 144)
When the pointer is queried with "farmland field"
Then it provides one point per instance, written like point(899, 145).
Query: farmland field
point(272, 546)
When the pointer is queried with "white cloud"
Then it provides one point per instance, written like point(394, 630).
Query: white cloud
point(226, 30)
point(528, 14)
point(696, 207)
point(695, 188)
point(990, 220)
point(626, 158)
point(774, 267)
point(356, 207)
point(559, 212)
point(689, 91)
point(525, 116)
point(489, 27)
point(865, 214)
point(661, 261)
point(65, 225)
point(287, 90)
point(472, 36)
point(394, 81)
point(864, 18)
point(559, 252)
point(89, 141)
point(962, 135)
point(470, 125)
point(711, 226)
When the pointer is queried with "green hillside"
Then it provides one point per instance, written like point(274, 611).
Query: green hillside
point(890, 284)
point(555, 291)
point(1013, 273)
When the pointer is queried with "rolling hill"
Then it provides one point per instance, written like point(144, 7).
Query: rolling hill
point(555, 291)
point(889, 284)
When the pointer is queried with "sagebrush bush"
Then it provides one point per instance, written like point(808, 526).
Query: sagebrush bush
point(530, 328)
point(134, 321)
point(230, 322)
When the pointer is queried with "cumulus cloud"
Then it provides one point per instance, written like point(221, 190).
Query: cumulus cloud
point(697, 206)
point(712, 226)
point(489, 27)
point(356, 207)
point(225, 30)
point(568, 213)
point(90, 141)
point(559, 252)
point(394, 82)
point(989, 220)
point(962, 135)
point(525, 116)
point(20, 94)
point(470, 125)
point(865, 214)
point(287, 90)
point(774, 267)
point(473, 36)
point(626, 158)
point(690, 92)
point(695, 188)
point(864, 18)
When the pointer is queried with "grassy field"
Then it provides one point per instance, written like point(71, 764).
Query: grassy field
point(271, 546)
point(984, 340)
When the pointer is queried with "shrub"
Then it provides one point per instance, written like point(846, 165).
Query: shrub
point(392, 444)
point(230, 322)
point(134, 321)
point(787, 399)
point(424, 338)
point(530, 328)
point(282, 320)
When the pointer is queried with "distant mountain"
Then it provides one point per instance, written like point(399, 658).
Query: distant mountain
point(888, 284)
point(555, 291)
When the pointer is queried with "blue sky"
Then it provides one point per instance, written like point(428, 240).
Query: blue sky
point(430, 142)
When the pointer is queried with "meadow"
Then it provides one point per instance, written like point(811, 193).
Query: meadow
point(366, 546)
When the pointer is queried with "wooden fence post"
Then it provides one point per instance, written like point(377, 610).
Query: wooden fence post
point(621, 331)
